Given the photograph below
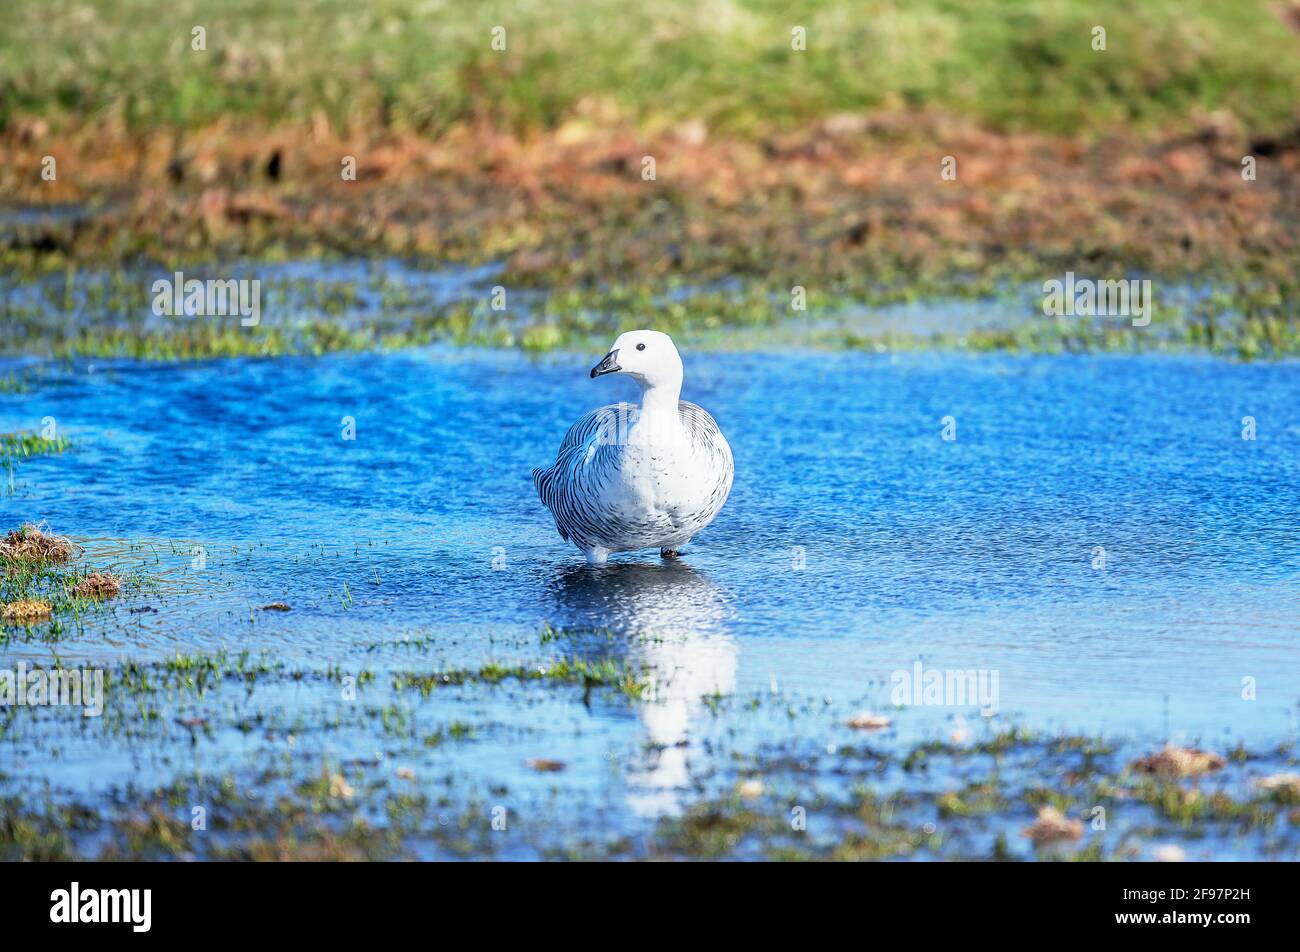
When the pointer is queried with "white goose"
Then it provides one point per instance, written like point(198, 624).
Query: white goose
point(630, 477)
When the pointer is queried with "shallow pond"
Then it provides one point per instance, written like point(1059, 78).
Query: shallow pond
point(1096, 542)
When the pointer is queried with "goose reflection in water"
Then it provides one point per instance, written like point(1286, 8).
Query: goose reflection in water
point(670, 620)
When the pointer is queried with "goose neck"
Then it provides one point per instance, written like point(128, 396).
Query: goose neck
point(660, 399)
point(659, 417)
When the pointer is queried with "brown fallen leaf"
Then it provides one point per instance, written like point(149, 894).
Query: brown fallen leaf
point(1052, 825)
point(339, 787)
point(866, 721)
point(547, 766)
point(750, 789)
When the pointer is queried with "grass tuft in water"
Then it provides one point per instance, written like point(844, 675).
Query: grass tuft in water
point(26, 444)
point(98, 585)
point(32, 544)
point(26, 610)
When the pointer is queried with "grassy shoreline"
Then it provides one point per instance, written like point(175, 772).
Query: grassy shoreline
point(394, 305)
point(828, 174)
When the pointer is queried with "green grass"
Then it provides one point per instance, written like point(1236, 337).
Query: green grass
point(16, 447)
point(56, 585)
point(25, 444)
point(601, 673)
point(424, 66)
point(1244, 318)
point(12, 383)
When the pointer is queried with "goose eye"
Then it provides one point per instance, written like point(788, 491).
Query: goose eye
point(640, 346)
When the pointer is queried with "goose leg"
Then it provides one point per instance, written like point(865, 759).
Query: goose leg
point(673, 552)
point(596, 556)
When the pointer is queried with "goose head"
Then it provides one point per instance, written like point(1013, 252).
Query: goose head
point(648, 357)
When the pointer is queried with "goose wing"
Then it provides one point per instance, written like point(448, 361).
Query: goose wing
point(565, 487)
point(706, 435)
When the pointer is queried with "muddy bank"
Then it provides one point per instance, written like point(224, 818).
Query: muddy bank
point(704, 232)
point(899, 196)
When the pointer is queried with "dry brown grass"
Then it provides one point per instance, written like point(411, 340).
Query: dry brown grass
point(26, 610)
point(569, 206)
point(1179, 762)
point(1282, 783)
point(98, 585)
point(36, 544)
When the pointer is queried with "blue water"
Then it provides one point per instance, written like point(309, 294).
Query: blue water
point(857, 541)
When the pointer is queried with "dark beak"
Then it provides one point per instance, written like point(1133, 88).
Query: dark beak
point(607, 365)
